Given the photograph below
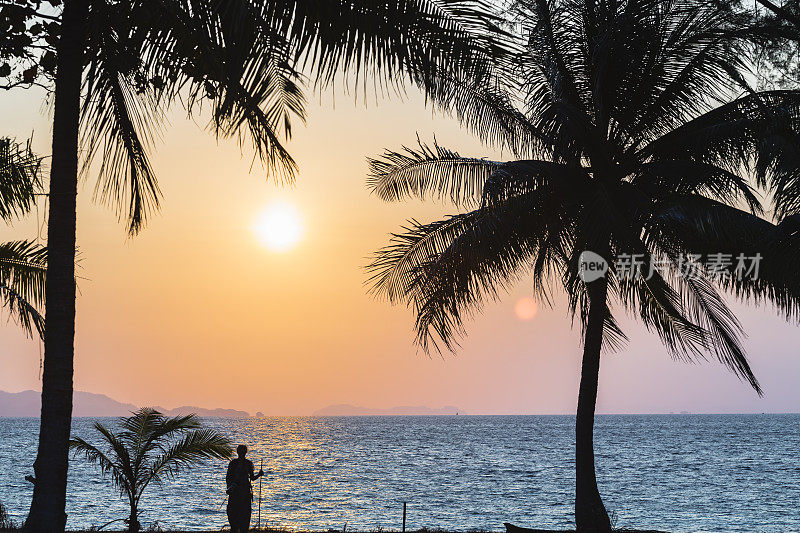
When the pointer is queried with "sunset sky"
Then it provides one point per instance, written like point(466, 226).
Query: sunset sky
point(200, 309)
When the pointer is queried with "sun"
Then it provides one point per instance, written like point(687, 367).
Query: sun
point(279, 227)
point(526, 308)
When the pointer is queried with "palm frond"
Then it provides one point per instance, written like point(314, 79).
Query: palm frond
point(166, 428)
point(382, 39)
point(668, 177)
point(686, 311)
point(614, 339)
point(691, 60)
point(489, 109)
point(660, 308)
point(455, 51)
point(245, 68)
point(136, 432)
point(759, 132)
point(554, 81)
point(120, 118)
point(551, 55)
point(707, 227)
point(514, 178)
point(117, 460)
point(710, 311)
point(429, 169)
point(445, 270)
point(92, 454)
point(20, 178)
point(193, 448)
point(27, 316)
point(23, 269)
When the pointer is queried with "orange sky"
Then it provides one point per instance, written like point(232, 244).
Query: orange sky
point(196, 310)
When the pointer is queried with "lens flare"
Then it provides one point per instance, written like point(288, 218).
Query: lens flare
point(526, 308)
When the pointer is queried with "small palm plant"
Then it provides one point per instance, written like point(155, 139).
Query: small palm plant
point(149, 447)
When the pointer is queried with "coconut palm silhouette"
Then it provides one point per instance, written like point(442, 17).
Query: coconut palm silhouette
point(120, 66)
point(629, 139)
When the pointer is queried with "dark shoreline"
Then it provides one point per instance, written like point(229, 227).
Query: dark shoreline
point(264, 530)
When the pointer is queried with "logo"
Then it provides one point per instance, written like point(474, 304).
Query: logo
point(591, 266)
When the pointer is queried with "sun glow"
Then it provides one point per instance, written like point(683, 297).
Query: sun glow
point(279, 227)
point(526, 308)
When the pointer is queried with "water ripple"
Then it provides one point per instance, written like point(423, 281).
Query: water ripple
point(732, 473)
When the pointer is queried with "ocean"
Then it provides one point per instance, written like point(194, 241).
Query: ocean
point(681, 473)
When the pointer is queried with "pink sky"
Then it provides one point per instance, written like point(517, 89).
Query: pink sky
point(197, 311)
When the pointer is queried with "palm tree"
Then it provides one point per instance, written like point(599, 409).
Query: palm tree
point(22, 263)
point(635, 143)
point(120, 65)
point(149, 448)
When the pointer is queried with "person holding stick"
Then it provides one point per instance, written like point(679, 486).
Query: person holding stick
point(240, 491)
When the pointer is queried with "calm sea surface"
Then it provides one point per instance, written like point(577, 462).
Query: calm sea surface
point(675, 473)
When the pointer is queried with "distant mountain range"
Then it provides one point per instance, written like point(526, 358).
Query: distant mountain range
point(28, 403)
point(354, 410)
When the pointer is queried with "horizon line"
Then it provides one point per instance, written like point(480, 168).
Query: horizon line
point(732, 413)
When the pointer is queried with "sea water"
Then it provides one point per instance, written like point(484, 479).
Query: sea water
point(675, 473)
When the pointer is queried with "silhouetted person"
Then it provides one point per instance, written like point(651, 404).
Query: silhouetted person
point(240, 492)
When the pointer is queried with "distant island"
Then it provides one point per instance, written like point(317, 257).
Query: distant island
point(354, 410)
point(28, 404)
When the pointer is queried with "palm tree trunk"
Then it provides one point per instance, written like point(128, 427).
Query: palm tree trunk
point(47, 513)
point(133, 520)
point(590, 513)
